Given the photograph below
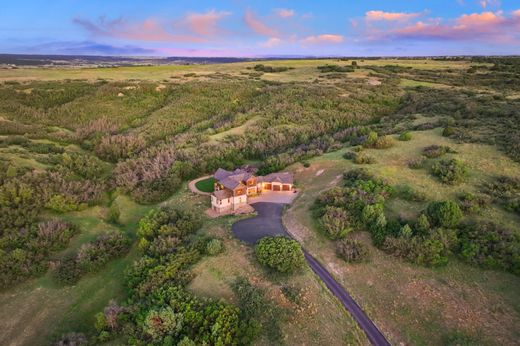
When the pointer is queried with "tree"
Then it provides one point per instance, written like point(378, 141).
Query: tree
point(280, 253)
point(336, 222)
point(444, 213)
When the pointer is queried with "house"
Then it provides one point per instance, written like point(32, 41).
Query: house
point(234, 188)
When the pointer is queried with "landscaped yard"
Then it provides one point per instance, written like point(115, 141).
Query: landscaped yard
point(206, 185)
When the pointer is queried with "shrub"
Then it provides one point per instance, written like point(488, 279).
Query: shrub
point(450, 171)
point(336, 222)
point(113, 214)
point(472, 203)
point(63, 204)
point(72, 339)
point(161, 323)
point(384, 142)
point(91, 256)
point(257, 313)
point(407, 193)
point(280, 253)
point(417, 163)
point(422, 225)
point(214, 247)
point(352, 250)
point(448, 131)
point(444, 213)
point(349, 155)
point(306, 164)
point(405, 136)
point(491, 246)
point(434, 151)
point(363, 158)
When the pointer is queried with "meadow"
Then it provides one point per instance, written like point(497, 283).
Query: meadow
point(89, 152)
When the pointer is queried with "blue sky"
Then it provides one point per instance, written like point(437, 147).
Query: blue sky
point(272, 27)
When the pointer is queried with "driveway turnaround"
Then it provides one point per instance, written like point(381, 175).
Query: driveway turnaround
point(268, 222)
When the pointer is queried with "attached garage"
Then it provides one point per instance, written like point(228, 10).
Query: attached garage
point(268, 186)
point(286, 187)
point(276, 187)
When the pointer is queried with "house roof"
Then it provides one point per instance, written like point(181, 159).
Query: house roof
point(233, 179)
point(223, 194)
point(230, 183)
point(282, 177)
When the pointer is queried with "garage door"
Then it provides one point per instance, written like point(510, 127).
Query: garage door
point(286, 187)
point(268, 186)
point(276, 187)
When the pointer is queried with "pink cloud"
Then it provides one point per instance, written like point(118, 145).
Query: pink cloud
point(258, 26)
point(272, 42)
point(205, 24)
point(148, 30)
point(323, 39)
point(488, 26)
point(284, 12)
point(390, 16)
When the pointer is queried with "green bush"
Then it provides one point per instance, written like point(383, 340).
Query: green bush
point(384, 142)
point(113, 214)
point(363, 158)
point(434, 151)
point(91, 256)
point(417, 163)
point(444, 213)
point(336, 222)
point(448, 131)
point(450, 171)
point(280, 253)
point(214, 247)
point(472, 203)
point(405, 136)
point(489, 245)
point(352, 250)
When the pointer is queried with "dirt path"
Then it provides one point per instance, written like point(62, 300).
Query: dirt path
point(194, 189)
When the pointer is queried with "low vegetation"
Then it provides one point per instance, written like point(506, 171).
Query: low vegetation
point(280, 253)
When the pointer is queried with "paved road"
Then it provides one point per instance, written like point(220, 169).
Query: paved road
point(268, 222)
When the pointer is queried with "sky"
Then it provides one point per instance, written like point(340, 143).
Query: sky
point(241, 28)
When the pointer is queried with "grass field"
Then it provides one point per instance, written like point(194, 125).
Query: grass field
point(304, 70)
point(412, 304)
point(40, 310)
point(206, 185)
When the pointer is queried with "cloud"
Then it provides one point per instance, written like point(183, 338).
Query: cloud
point(204, 24)
point(485, 26)
point(390, 16)
point(322, 39)
point(148, 30)
point(272, 42)
point(284, 12)
point(258, 26)
point(192, 28)
point(489, 3)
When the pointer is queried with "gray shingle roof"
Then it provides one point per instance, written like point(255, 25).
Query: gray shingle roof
point(282, 177)
point(222, 194)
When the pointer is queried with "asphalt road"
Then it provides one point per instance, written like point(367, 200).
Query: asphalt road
point(268, 222)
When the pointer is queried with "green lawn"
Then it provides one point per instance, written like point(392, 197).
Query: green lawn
point(206, 185)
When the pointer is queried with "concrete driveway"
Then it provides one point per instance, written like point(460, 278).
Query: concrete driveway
point(283, 197)
point(268, 222)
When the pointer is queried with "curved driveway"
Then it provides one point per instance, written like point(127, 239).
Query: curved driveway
point(268, 222)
